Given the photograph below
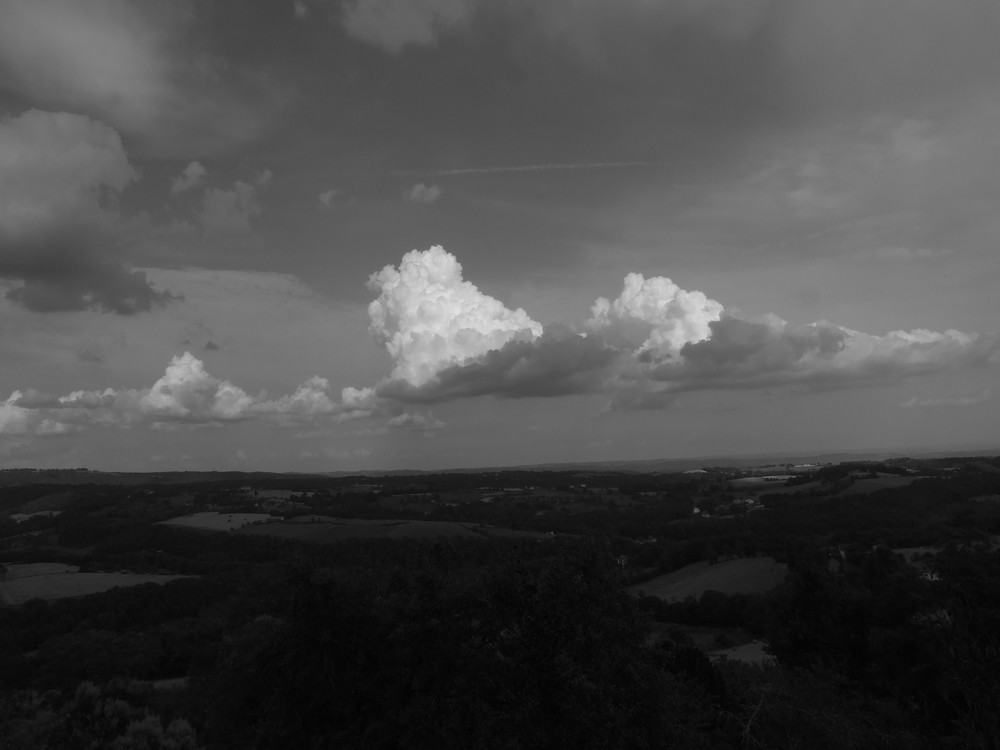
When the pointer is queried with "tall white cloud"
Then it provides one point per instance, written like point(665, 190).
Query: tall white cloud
point(654, 315)
point(430, 318)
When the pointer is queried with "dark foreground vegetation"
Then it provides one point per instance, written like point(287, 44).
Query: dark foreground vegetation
point(492, 639)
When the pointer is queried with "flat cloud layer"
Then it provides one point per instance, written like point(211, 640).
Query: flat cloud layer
point(448, 340)
point(60, 175)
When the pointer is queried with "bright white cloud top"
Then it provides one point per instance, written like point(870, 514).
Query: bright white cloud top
point(430, 318)
point(655, 316)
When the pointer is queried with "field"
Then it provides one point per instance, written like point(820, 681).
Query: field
point(212, 521)
point(329, 529)
point(28, 570)
point(750, 575)
point(65, 585)
point(749, 653)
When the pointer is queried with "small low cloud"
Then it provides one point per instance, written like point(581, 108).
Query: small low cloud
point(328, 198)
point(421, 193)
point(394, 25)
point(192, 176)
point(186, 394)
point(947, 402)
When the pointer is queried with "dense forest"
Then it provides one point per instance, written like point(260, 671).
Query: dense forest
point(530, 640)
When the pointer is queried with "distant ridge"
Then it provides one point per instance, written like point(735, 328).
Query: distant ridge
point(636, 466)
point(669, 465)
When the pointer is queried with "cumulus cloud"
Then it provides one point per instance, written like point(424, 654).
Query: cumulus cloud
point(60, 177)
point(327, 198)
point(186, 394)
point(449, 340)
point(429, 318)
point(654, 341)
point(746, 354)
point(654, 316)
point(16, 419)
point(192, 176)
point(421, 193)
point(557, 363)
point(134, 65)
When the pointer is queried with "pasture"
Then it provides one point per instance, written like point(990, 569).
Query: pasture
point(749, 575)
point(65, 585)
point(28, 570)
point(214, 521)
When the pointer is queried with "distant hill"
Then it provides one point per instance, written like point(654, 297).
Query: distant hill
point(10, 477)
point(670, 465)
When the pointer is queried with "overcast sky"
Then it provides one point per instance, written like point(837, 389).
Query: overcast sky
point(346, 234)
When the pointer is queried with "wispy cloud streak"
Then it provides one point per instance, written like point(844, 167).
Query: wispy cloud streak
point(531, 168)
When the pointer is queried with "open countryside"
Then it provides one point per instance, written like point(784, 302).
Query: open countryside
point(662, 588)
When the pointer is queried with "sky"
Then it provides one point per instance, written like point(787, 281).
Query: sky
point(337, 235)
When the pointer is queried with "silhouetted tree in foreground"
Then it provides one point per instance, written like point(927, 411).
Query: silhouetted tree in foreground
point(531, 658)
